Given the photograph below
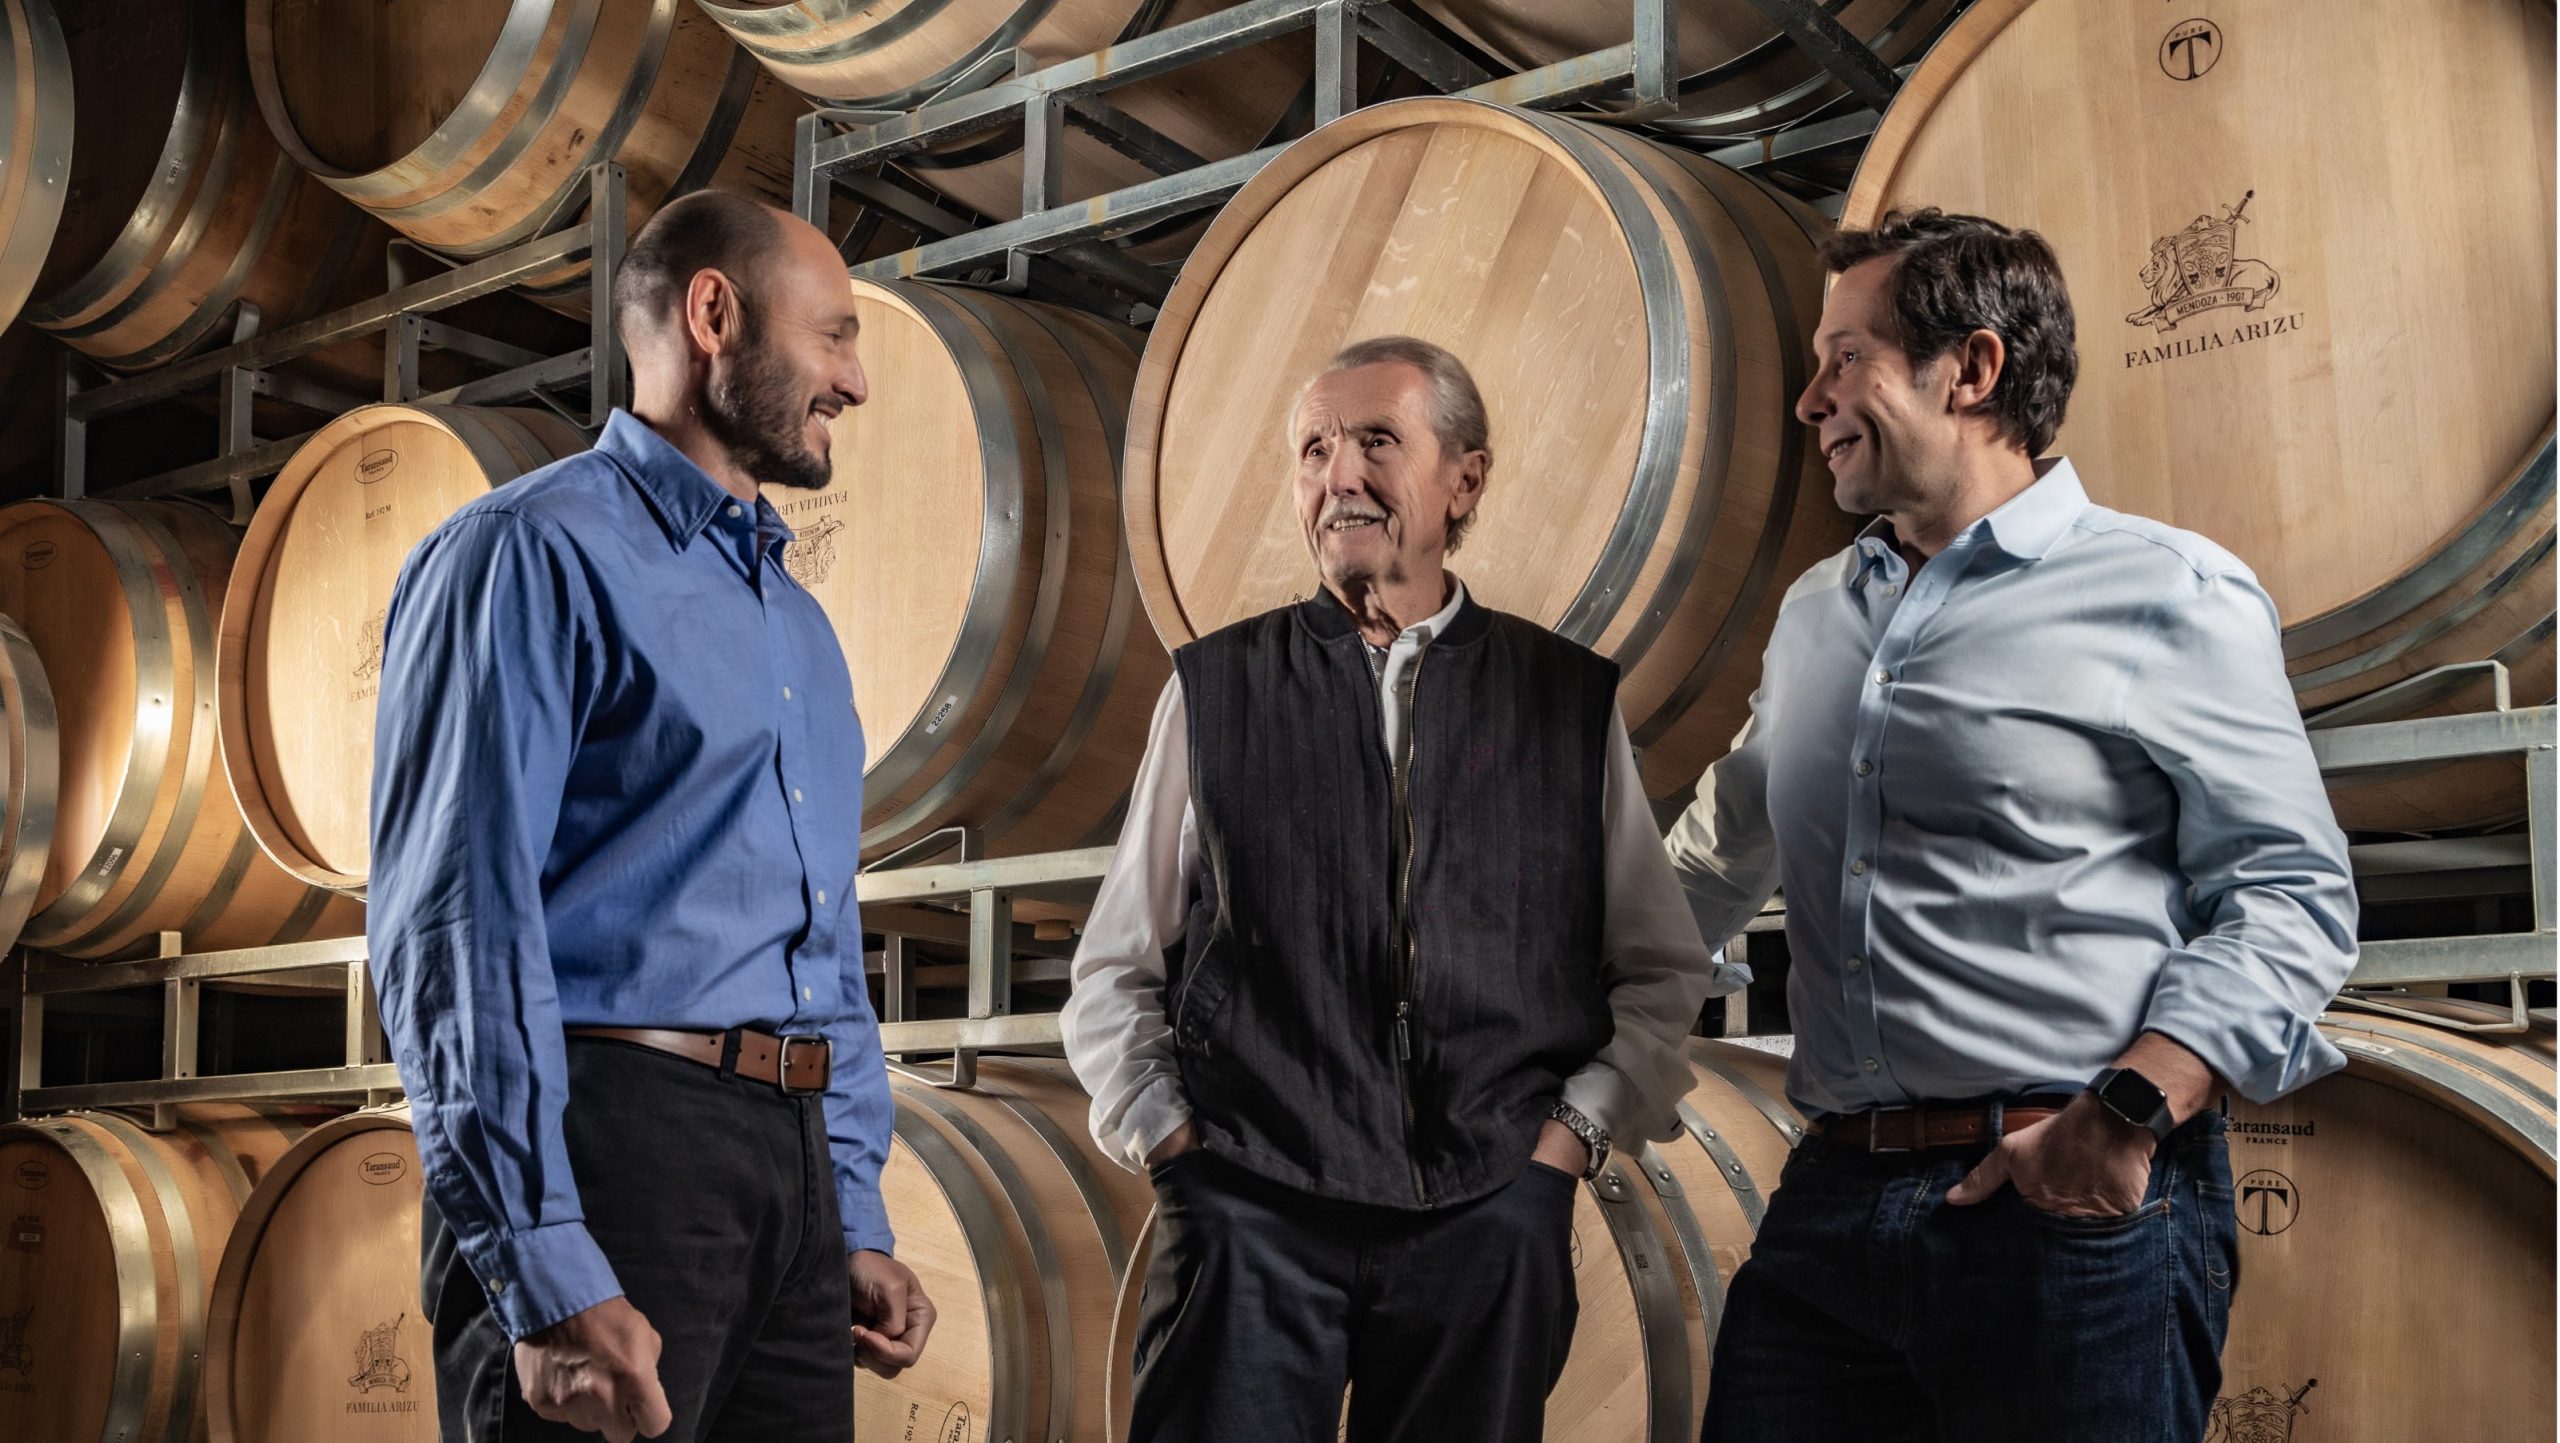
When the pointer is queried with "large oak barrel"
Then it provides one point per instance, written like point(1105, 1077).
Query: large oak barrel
point(301, 646)
point(2281, 345)
point(313, 1330)
point(1739, 74)
point(891, 57)
point(469, 125)
point(2396, 1239)
point(35, 159)
point(114, 1234)
point(30, 746)
point(1638, 320)
point(119, 601)
point(971, 555)
point(181, 209)
point(1020, 1230)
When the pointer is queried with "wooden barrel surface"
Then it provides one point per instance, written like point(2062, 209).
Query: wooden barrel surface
point(31, 736)
point(2282, 347)
point(2396, 1239)
point(35, 158)
point(313, 1330)
point(1020, 1230)
point(1638, 320)
point(971, 556)
point(1740, 74)
point(301, 649)
point(469, 126)
point(183, 211)
point(120, 602)
point(870, 56)
point(114, 1236)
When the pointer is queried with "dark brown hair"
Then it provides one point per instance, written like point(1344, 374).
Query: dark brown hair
point(1957, 274)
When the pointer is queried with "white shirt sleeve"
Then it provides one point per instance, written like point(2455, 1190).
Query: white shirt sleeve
point(1118, 1039)
point(1658, 970)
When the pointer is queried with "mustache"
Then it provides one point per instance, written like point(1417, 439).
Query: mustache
point(1349, 511)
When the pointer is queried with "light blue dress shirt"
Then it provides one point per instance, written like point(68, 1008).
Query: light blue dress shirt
point(617, 782)
point(2045, 794)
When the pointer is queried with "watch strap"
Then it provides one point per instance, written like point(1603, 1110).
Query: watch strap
point(2159, 1122)
point(1594, 1138)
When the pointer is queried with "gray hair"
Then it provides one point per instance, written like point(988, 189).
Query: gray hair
point(1457, 407)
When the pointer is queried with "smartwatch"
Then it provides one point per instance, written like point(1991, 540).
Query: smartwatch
point(1593, 1139)
point(2137, 1099)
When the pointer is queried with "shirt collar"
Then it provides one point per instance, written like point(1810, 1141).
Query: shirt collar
point(684, 497)
point(2026, 526)
point(1429, 628)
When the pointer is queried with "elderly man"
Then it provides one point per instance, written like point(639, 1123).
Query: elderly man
point(1388, 958)
point(2058, 869)
point(617, 802)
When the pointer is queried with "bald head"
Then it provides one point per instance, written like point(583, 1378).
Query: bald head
point(707, 230)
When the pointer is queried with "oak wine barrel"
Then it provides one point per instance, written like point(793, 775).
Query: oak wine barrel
point(300, 654)
point(30, 734)
point(970, 553)
point(469, 125)
point(2281, 347)
point(1740, 75)
point(119, 601)
point(114, 1235)
point(1019, 1229)
point(1638, 320)
point(2396, 1237)
point(314, 1330)
point(868, 56)
point(35, 159)
point(181, 212)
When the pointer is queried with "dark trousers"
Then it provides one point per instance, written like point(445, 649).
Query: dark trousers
point(1871, 1311)
point(714, 1199)
point(1263, 1303)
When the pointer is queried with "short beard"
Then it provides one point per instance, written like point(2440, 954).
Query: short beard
point(755, 409)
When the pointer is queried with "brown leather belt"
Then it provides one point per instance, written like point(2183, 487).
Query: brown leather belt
point(798, 1065)
point(1918, 1129)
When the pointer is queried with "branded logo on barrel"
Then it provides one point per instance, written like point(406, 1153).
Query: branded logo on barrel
point(369, 648)
point(383, 1168)
point(375, 466)
point(15, 1355)
point(2200, 269)
point(811, 556)
point(379, 1365)
point(26, 1233)
point(2260, 1415)
point(2269, 1202)
point(2191, 48)
point(34, 1173)
point(38, 557)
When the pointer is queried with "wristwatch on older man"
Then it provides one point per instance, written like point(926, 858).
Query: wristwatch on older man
point(1591, 1133)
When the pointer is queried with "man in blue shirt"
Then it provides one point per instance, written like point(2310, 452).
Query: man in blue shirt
point(616, 814)
point(2058, 867)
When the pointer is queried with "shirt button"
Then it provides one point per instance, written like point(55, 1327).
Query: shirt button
point(795, 794)
point(1869, 1064)
point(1858, 868)
point(497, 1286)
point(822, 899)
point(1884, 678)
point(786, 693)
point(1866, 769)
point(1893, 590)
point(1857, 964)
point(808, 994)
point(737, 510)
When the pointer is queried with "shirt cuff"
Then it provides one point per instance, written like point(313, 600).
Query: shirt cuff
point(537, 1277)
point(1605, 1095)
point(866, 1225)
point(2255, 1041)
point(1150, 1118)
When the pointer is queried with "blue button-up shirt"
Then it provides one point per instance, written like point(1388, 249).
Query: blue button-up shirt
point(617, 782)
point(2045, 793)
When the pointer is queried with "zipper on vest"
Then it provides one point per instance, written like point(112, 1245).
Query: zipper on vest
point(1403, 782)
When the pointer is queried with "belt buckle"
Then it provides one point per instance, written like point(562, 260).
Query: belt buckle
point(1875, 1129)
point(782, 1066)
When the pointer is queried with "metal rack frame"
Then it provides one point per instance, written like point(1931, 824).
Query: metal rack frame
point(840, 149)
point(243, 372)
point(909, 904)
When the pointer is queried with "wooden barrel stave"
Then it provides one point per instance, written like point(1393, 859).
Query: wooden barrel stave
point(91, 1188)
point(322, 1268)
point(35, 175)
point(148, 836)
point(986, 609)
point(33, 744)
point(300, 651)
point(1569, 266)
point(2287, 424)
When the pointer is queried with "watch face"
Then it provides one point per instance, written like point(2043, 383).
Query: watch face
point(2132, 1096)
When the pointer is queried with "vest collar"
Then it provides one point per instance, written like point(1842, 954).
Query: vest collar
point(1327, 620)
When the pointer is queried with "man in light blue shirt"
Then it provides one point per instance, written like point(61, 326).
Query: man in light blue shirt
point(2058, 868)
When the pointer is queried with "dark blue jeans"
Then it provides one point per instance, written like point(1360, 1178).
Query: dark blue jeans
point(1871, 1310)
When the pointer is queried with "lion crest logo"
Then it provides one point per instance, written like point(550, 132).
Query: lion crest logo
point(2200, 269)
point(812, 554)
point(2258, 1416)
point(369, 657)
point(15, 1355)
point(378, 1361)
